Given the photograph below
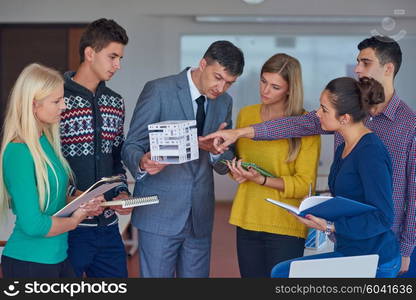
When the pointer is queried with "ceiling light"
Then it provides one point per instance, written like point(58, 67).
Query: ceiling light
point(290, 19)
point(253, 1)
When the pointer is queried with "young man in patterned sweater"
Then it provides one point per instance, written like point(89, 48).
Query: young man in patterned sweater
point(92, 136)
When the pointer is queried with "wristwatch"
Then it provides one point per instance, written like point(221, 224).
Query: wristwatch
point(328, 229)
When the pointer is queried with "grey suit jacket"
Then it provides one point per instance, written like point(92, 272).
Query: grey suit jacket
point(182, 188)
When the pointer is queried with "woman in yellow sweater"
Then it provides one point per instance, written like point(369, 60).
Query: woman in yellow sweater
point(267, 234)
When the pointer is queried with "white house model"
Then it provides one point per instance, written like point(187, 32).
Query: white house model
point(173, 142)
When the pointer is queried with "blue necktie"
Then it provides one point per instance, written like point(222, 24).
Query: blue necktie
point(200, 114)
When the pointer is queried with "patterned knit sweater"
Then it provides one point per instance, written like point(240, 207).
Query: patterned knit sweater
point(92, 136)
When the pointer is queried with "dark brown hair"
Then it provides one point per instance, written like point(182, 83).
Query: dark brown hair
point(227, 55)
point(386, 50)
point(99, 34)
point(353, 97)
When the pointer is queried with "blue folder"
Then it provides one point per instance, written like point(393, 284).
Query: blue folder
point(337, 207)
point(331, 209)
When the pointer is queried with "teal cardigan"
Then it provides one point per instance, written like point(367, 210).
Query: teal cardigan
point(28, 241)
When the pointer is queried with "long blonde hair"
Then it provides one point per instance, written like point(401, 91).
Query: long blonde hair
point(34, 83)
point(289, 68)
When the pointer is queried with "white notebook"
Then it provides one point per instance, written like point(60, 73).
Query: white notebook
point(132, 202)
point(98, 188)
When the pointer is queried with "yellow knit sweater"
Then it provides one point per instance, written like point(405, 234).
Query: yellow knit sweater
point(250, 211)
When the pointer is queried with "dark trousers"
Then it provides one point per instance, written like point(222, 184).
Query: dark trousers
point(258, 252)
point(15, 268)
point(97, 251)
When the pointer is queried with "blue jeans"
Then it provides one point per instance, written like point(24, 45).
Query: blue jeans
point(388, 269)
point(412, 268)
point(98, 252)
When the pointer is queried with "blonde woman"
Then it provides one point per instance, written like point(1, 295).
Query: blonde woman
point(267, 235)
point(34, 178)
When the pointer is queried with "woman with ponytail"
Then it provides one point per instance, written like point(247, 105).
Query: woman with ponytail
point(361, 171)
point(34, 178)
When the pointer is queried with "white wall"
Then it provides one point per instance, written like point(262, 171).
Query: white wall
point(16, 10)
point(154, 28)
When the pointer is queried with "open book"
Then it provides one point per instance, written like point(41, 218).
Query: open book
point(132, 202)
point(327, 207)
point(247, 165)
point(100, 187)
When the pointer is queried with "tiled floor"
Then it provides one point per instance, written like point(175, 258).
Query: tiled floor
point(224, 253)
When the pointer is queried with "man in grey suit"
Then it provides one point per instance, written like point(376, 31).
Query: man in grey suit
point(175, 235)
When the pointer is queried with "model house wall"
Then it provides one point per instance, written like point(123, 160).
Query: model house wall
point(173, 142)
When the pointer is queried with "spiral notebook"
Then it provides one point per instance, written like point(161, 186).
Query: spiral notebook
point(132, 202)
